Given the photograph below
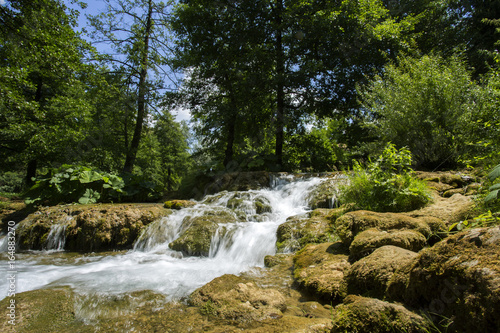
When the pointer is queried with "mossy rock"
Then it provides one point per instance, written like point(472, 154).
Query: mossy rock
point(371, 275)
point(369, 240)
point(196, 239)
point(350, 224)
point(299, 231)
point(449, 210)
point(249, 203)
point(44, 310)
point(361, 315)
point(320, 269)
point(324, 195)
point(100, 227)
point(458, 277)
point(178, 204)
point(237, 299)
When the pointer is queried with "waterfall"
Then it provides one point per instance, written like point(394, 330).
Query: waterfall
point(245, 235)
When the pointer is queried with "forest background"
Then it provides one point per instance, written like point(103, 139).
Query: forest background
point(276, 85)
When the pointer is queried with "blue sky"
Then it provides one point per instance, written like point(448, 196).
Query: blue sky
point(95, 7)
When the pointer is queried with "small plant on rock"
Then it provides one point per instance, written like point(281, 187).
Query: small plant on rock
point(386, 184)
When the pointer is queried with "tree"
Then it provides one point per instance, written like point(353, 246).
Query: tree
point(42, 86)
point(136, 31)
point(306, 55)
point(425, 104)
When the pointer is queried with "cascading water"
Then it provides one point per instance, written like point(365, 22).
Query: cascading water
point(235, 247)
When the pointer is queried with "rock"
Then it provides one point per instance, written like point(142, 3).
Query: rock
point(44, 310)
point(450, 210)
point(178, 204)
point(350, 224)
point(457, 278)
point(324, 195)
point(196, 239)
point(235, 298)
point(87, 228)
point(249, 203)
point(320, 269)
point(369, 240)
point(371, 275)
point(238, 181)
point(360, 314)
point(297, 231)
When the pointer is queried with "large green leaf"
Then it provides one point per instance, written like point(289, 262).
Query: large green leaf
point(90, 196)
point(495, 173)
point(89, 176)
point(492, 195)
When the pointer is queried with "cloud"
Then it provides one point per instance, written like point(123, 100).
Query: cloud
point(181, 114)
point(2, 2)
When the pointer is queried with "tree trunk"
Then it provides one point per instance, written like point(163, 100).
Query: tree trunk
point(280, 93)
point(33, 163)
point(141, 101)
point(228, 157)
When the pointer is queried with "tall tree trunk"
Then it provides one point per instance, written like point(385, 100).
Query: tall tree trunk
point(280, 93)
point(33, 163)
point(228, 157)
point(141, 100)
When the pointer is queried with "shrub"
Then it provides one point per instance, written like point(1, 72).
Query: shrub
point(11, 182)
point(425, 104)
point(80, 184)
point(386, 185)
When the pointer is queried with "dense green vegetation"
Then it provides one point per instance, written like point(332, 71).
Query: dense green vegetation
point(387, 184)
point(279, 85)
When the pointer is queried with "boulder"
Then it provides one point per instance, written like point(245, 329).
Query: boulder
point(360, 314)
point(297, 231)
point(450, 210)
point(350, 224)
point(237, 299)
point(196, 239)
point(87, 228)
point(320, 268)
point(457, 278)
point(324, 195)
point(369, 240)
point(371, 275)
point(178, 204)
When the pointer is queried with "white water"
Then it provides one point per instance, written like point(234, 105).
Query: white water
point(152, 265)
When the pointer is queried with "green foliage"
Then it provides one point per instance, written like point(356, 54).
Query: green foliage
point(425, 104)
point(386, 185)
point(69, 184)
point(11, 182)
point(494, 189)
point(487, 219)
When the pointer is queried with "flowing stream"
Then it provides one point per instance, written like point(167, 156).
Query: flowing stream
point(236, 247)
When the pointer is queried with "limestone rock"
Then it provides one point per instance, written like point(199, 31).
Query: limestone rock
point(298, 231)
point(450, 210)
point(320, 269)
point(371, 275)
point(97, 227)
point(360, 314)
point(369, 240)
point(235, 298)
point(350, 224)
point(324, 195)
point(195, 240)
point(458, 277)
point(178, 204)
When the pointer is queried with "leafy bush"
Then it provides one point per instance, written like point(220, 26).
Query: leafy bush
point(11, 182)
point(495, 189)
point(425, 104)
point(386, 185)
point(83, 185)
